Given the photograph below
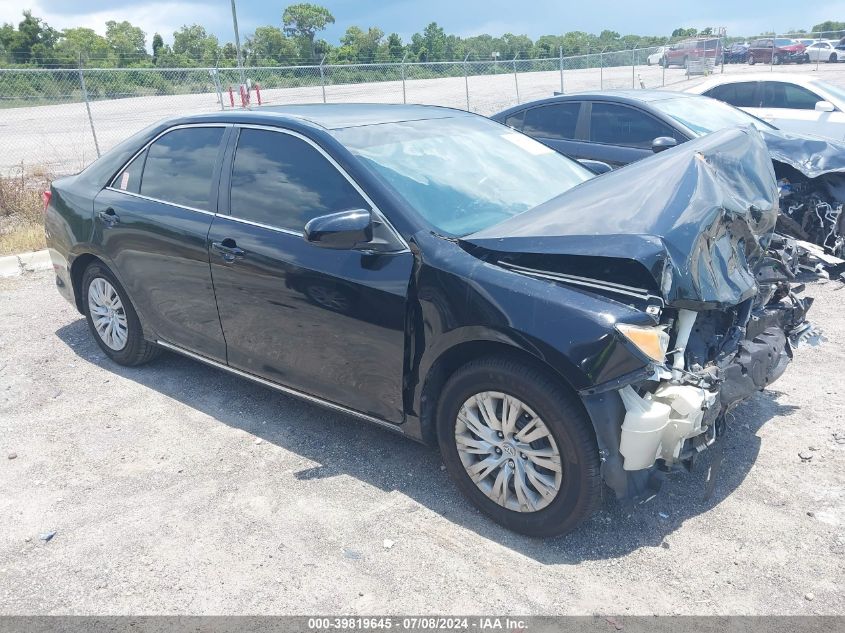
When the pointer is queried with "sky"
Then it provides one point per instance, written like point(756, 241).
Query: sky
point(461, 17)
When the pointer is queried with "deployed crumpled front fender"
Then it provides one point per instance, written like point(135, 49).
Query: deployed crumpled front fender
point(813, 156)
point(690, 222)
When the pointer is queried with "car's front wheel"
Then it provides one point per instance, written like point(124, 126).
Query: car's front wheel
point(751, 60)
point(519, 446)
point(832, 59)
point(112, 318)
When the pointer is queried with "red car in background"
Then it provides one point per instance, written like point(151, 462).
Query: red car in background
point(682, 53)
point(779, 50)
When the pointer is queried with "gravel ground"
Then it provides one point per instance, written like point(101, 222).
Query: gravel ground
point(175, 488)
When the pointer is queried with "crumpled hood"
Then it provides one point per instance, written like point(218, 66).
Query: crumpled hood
point(686, 224)
point(811, 155)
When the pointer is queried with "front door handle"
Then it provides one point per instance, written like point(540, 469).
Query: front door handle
point(228, 250)
point(109, 217)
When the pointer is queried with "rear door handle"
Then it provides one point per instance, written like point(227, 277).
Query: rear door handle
point(109, 217)
point(228, 250)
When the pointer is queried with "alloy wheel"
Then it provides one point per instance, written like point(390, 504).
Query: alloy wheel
point(508, 451)
point(108, 314)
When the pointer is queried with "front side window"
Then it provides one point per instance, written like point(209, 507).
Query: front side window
point(180, 167)
point(777, 94)
point(620, 125)
point(282, 181)
point(556, 121)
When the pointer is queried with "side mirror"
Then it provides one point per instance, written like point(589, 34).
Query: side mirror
point(595, 166)
point(825, 106)
point(341, 231)
point(662, 143)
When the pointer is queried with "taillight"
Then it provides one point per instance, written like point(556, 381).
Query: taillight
point(46, 196)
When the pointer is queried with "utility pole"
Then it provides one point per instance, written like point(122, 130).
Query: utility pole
point(238, 44)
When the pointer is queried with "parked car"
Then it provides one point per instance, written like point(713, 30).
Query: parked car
point(736, 53)
point(790, 102)
point(478, 291)
point(776, 51)
point(656, 57)
point(682, 53)
point(620, 127)
point(824, 51)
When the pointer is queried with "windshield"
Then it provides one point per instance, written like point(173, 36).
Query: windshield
point(835, 91)
point(703, 115)
point(465, 173)
point(780, 42)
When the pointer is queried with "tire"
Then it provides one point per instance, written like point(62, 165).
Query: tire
point(576, 492)
point(751, 60)
point(776, 60)
point(686, 63)
point(832, 59)
point(135, 350)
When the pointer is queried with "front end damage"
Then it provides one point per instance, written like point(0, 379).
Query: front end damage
point(688, 238)
point(811, 186)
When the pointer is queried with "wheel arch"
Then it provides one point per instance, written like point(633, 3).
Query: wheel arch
point(452, 358)
point(77, 270)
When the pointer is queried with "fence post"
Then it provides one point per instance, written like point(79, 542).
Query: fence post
point(216, 76)
point(516, 78)
point(466, 79)
point(88, 105)
point(818, 54)
point(634, 67)
point(772, 61)
point(323, 78)
point(402, 65)
point(560, 50)
point(601, 68)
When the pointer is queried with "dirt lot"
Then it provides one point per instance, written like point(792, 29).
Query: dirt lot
point(175, 488)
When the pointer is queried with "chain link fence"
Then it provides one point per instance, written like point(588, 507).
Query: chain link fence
point(60, 120)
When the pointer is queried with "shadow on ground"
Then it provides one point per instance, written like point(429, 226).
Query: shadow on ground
point(344, 445)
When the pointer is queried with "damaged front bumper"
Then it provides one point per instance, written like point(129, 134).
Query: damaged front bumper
point(655, 425)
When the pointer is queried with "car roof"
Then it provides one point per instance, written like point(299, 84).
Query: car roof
point(333, 116)
point(619, 96)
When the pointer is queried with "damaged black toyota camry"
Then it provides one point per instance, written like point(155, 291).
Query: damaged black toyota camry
point(448, 278)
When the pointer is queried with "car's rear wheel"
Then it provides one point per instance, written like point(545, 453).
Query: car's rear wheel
point(776, 60)
point(112, 318)
point(686, 62)
point(751, 60)
point(519, 446)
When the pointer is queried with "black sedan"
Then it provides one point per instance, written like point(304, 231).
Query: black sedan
point(620, 127)
point(445, 277)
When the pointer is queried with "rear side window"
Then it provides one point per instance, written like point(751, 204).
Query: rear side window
point(282, 181)
point(180, 167)
point(620, 125)
point(777, 94)
point(740, 94)
point(129, 179)
point(556, 121)
point(515, 120)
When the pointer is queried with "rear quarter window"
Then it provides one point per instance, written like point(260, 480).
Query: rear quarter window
point(180, 167)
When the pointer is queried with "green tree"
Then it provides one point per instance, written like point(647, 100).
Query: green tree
point(128, 43)
point(158, 47)
point(193, 45)
point(682, 32)
point(31, 43)
point(395, 48)
point(268, 46)
point(828, 26)
point(363, 46)
point(82, 43)
point(304, 20)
